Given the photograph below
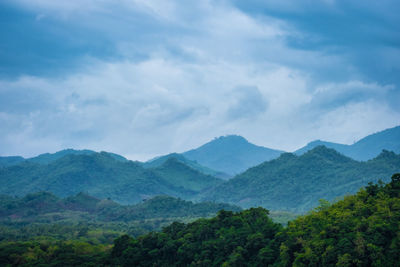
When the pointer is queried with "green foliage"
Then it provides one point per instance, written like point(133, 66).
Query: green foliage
point(229, 239)
point(296, 183)
point(43, 215)
point(57, 253)
point(361, 230)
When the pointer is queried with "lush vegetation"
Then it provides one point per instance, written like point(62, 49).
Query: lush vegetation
point(237, 239)
point(296, 183)
point(87, 218)
point(367, 148)
point(360, 230)
point(103, 176)
point(290, 183)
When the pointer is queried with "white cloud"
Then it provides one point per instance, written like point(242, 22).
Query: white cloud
point(159, 106)
point(208, 69)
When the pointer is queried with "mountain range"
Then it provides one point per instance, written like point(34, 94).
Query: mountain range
point(296, 183)
point(269, 178)
point(102, 175)
point(364, 149)
point(231, 154)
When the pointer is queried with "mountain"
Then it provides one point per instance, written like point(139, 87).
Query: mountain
point(158, 161)
point(9, 161)
point(181, 175)
point(230, 154)
point(296, 183)
point(103, 176)
point(366, 148)
point(47, 158)
point(46, 207)
point(338, 147)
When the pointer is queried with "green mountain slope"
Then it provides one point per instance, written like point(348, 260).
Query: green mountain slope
point(9, 161)
point(366, 148)
point(101, 175)
point(47, 158)
point(231, 154)
point(157, 162)
point(296, 183)
point(181, 175)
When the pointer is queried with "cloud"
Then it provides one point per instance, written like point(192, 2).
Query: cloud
point(143, 78)
point(248, 103)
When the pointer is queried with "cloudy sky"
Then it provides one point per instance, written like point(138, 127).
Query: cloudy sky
point(148, 77)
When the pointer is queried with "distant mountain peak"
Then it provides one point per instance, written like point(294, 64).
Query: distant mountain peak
point(385, 154)
point(231, 154)
point(326, 153)
point(231, 138)
point(364, 149)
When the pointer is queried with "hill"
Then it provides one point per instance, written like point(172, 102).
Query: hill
point(158, 161)
point(47, 158)
point(230, 154)
point(46, 207)
point(361, 230)
point(102, 176)
point(364, 149)
point(181, 175)
point(9, 161)
point(296, 183)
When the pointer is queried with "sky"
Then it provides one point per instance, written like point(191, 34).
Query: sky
point(143, 78)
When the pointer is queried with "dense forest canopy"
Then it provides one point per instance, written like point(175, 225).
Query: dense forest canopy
point(360, 230)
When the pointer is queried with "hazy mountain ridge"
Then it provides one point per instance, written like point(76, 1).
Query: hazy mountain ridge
point(296, 183)
point(158, 161)
point(231, 154)
point(364, 149)
point(47, 158)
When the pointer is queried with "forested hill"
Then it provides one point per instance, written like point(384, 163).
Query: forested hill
point(103, 176)
point(47, 158)
point(366, 148)
point(361, 230)
point(180, 175)
point(231, 154)
point(157, 162)
point(46, 207)
point(296, 183)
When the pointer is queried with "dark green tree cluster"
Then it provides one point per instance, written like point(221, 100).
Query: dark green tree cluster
point(361, 230)
point(46, 253)
point(229, 239)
